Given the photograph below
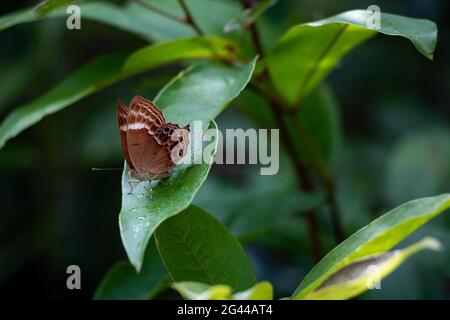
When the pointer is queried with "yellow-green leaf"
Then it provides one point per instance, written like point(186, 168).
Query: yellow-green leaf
point(201, 291)
point(377, 237)
point(366, 273)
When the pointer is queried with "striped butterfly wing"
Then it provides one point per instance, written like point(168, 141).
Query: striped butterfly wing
point(151, 146)
point(149, 157)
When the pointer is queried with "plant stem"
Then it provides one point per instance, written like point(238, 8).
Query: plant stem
point(189, 18)
point(186, 20)
point(161, 12)
point(330, 191)
point(325, 176)
point(303, 178)
point(246, 4)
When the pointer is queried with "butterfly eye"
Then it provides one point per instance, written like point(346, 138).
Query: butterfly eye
point(166, 130)
point(180, 153)
point(171, 132)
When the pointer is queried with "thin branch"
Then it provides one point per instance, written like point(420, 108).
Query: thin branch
point(335, 213)
point(189, 18)
point(325, 176)
point(303, 178)
point(161, 12)
point(246, 4)
point(305, 183)
point(255, 40)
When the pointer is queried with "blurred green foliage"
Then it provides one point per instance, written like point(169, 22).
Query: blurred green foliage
point(391, 111)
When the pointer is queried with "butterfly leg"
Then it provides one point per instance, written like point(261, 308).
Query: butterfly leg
point(130, 183)
point(131, 188)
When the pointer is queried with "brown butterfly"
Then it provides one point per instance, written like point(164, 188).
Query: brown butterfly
point(151, 146)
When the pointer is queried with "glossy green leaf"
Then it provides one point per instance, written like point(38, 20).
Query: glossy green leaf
point(177, 50)
point(202, 291)
point(306, 53)
point(377, 237)
point(366, 273)
point(146, 205)
point(249, 16)
point(122, 282)
point(203, 91)
point(196, 247)
point(107, 70)
point(198, 94)
point(137, 19)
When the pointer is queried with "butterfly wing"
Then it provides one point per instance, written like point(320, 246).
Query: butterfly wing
point(144, 114)
point(176, 140)
point(151, 146)
point(149, 157)
point(122, 114)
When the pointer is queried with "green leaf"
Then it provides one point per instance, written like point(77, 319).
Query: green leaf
point(319, 117)
point(202, 291)
point(178, 50)
point(123, 283)
point(49, 5)
point(203, 91)
point(135, 18)
point(92, 77)
point(196, 247)
point(107, 70)
point(377, 237)
point(249, 16)
point(144, 207)
point(199, 93)
point(306, 53)
point(365, 273)
point(261, 291)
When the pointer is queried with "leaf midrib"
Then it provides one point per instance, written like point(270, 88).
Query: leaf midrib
point(193, 254)
point(318, 62)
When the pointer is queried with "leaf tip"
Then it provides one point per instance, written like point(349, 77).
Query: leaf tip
point(432, 243)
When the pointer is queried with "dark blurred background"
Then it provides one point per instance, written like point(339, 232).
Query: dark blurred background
point(55, 211)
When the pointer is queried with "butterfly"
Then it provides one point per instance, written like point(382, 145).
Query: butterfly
point(150, 145)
